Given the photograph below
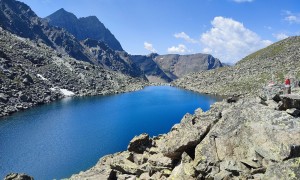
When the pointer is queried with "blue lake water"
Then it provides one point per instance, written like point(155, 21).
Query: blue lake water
point(57, 140)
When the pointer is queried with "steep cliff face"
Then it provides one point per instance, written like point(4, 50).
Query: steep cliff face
point(250, 74)
point(83, 28)
point(176, 66)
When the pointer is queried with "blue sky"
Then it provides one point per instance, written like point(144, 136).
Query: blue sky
point(227, 29)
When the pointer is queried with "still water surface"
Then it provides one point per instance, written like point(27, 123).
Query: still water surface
point(57, 140)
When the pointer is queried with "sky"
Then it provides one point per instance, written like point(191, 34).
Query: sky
point(227, 29)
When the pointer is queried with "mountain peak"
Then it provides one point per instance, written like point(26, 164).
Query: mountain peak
point(61, 14)
point(84, 27)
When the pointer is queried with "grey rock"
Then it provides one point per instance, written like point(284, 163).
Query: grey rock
point(4, 98)
point(284, 170)
point(187, 135)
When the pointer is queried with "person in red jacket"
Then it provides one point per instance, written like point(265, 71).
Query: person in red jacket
point(287, 84)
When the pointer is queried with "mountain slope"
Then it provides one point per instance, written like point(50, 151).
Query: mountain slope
point(83, 28)
point(152, 71)
point(176, 66)
point(250, 74)
point(19, 19)
point(110, 59)
point(32, 74)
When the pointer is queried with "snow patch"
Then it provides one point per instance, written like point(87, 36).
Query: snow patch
point(42, 77)
point(65, 92)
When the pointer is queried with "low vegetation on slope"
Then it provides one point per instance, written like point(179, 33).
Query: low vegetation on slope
point(250, 74)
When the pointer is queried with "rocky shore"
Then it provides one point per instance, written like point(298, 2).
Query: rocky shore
point(243, 138)
point(32, 74)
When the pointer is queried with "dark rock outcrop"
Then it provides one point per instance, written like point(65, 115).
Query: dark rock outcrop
point(84, 28)
point(16, 176)
point(139, 143)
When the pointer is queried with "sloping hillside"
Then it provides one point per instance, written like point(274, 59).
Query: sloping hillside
point(176, 66)
point(250, 74)
point(32, 74)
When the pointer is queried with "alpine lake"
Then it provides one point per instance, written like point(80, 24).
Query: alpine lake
point(56, 140)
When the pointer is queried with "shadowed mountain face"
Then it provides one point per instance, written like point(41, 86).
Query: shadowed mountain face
point(110, 59)
point(176, 66)
point(150, 68)
point(19, 19)
point(83, 28)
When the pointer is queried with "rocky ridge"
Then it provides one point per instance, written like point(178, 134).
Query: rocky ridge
point(33, 73)
point(84, 28)
point(243, 139)
point(177, 66)
point(150, 68)
point(250, 74)
point(17, 18)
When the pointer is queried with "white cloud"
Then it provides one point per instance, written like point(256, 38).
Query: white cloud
point(280, 36)
point(179, 49)
point(291, 17)
point(230, 41)
point(149, 47)
point(186, 37)
point(241, 1)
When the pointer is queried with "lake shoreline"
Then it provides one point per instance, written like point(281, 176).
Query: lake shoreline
point(233, 136)
point(102, 124)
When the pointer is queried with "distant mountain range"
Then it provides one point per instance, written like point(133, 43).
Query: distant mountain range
point(87, 39)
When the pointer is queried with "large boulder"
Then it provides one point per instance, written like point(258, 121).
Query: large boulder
point(139, 143)
point(184, 137)
point(247, 140)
